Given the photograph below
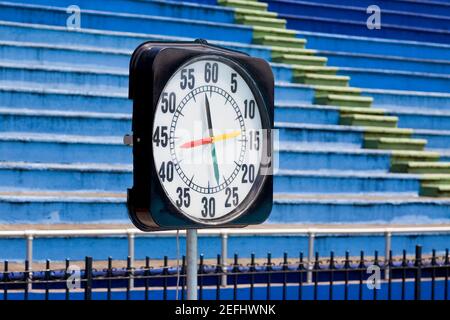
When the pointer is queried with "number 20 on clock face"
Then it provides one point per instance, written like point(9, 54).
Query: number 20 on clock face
point(208, 139)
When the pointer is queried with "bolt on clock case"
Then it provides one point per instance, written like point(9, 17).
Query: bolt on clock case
point(152, 65)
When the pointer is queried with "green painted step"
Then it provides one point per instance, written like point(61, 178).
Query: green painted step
point(251, 5)
point(435, 190)
point(278, 41)
point(436, 179)
point(258, 13)
point(259, 31)
point(387, 143)
point(383, 132)
point(346, 91)
point(405, 156)
point(355, 110)
point(261, 21)
point(322, 79)
point(343, 100)
point(299, 59)
point(300, 71)
point(368, 120)
point(421, 167)
point(288, 50)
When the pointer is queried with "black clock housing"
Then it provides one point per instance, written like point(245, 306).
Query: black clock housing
point(152, 65)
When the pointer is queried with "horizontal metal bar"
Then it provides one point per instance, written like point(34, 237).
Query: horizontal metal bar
point(230, 232)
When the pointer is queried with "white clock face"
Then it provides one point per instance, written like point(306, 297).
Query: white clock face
point(208, 140)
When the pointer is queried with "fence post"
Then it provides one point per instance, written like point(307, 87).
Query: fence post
point(131, 237)
point(418, 265)
point(88, 278)
point(311, 237)
point(388, 246)
point(29, 258)
point(224, 262)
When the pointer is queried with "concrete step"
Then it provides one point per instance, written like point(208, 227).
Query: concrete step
point(14, 31)
point(338, 90)
point(322, 79)
point(260, 21)
point(371, 45)
point(325, 114)
point(297, 51)
point(129, 22)
point(385, 208)
point(299, 59)
point(251, 5)
point(342, 10)
point(260, 31)
point(440, 9)
point(368, 120)
point(286, 42)
point(76, 210)
point(114, 178)
point(422, 167)
point(60, 122)
point(435, 190)
point(397, 80)
point(405, 156)
point(63, 148)
point(315, 23)
point(394, 143)
point(239, 12)
point(386, 61)
point(27, 147)
point(166, 8)
point(349, 136)
point(343, 100)
point(302, 70)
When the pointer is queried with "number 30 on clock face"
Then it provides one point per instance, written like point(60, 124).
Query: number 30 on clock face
point(208, 139)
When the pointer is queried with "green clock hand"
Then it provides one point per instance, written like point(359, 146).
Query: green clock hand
point(211, 134)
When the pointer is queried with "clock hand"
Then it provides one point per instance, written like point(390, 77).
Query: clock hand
point(209, 140)
point(211, 134)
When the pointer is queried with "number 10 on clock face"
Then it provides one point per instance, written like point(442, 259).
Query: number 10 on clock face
point(208, 139)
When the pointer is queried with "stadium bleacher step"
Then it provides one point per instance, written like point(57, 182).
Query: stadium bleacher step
point(405, 156)
point(288, 50)
point(394, 143)
point(278, 41)
point(368, 120)
point(339, 90)
point(301, 70)
point(430, 190)
point(343, 100)
point(421, 167)
point(299, 60)
point(259, 31)
point(261, 21)
point(365, 111)
point(322, 79)
point(435, 179)
point(250, 5)
point(239, 12)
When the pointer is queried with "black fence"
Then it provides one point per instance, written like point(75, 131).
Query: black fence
point(327, 278)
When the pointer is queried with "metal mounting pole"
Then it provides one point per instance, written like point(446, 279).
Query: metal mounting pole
point(191, 257)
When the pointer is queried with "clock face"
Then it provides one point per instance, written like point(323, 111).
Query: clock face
point(208, 140)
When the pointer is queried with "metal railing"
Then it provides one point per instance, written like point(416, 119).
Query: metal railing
point(349, 278)
point(224, 234)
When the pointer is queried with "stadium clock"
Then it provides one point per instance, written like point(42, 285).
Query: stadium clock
point(202, 137)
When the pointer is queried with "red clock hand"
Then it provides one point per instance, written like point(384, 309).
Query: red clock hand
point(196, 143)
